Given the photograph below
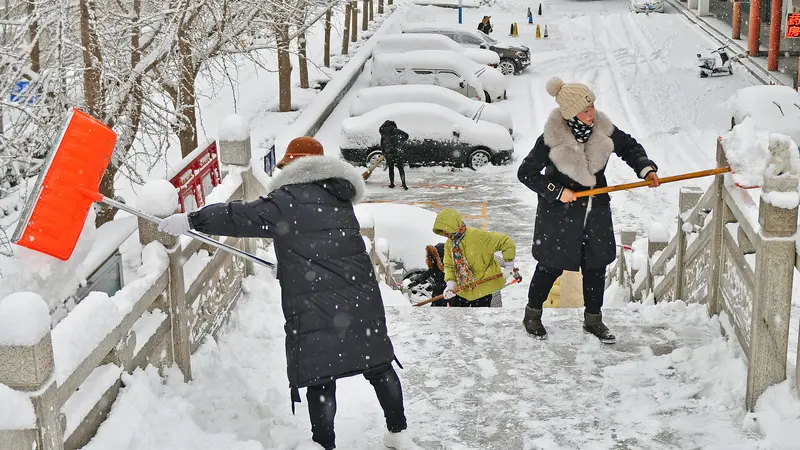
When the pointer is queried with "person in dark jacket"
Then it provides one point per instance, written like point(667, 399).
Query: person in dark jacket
point(335, 320)
point(485, 26)
point(392, 139)
point(570, 233)
point(434, 254)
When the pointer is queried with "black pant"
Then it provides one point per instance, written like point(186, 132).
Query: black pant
point(483, 302)
point(400, 169)
point(594, 283)
point(322, 404)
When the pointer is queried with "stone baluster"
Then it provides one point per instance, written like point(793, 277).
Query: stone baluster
point(775, 262)
point(180, 341)
point(687, 201)
point(31, 369)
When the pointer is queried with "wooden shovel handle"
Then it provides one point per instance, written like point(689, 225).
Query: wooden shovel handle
point(623, 187)
point(439, 297)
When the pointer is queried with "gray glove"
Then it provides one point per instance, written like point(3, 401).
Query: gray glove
point(448, 291)
point(176, 224)
point(508, 269)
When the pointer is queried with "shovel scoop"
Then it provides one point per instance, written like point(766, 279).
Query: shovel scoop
point(59, 203)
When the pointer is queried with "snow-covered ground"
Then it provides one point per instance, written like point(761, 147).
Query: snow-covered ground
point(473, 379)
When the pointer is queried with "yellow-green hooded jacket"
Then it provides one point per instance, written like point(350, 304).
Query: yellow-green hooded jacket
point(478, 247)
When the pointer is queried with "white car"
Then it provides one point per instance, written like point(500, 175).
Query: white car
point(494, 83)
point(436, 136)
point(368, 99)
point(400, 43)
point(647, 6)
point(775, 109)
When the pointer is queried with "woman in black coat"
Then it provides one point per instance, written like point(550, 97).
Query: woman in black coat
point(570, 233)
point(392, 139)
point(335, 320)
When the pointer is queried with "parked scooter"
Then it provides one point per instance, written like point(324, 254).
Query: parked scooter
point(713, 65)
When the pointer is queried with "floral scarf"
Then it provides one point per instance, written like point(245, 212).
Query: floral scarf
point(464, 276)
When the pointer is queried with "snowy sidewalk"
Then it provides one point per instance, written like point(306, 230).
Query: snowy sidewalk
point(473, 380)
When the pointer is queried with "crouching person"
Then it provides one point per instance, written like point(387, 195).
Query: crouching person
point(335, 320)
point(469, 259)
point(434, 276)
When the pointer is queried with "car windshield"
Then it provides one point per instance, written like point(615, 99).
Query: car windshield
point(489, 39)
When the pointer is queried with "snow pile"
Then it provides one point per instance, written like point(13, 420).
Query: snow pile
point(158, 197)
point(17, 411)
point(53, 279)
point(775, 108)
point(408, 229)
point(658, 233)
point(753, 154)
point(89, 323)
point(24, 319)
point(234, 128)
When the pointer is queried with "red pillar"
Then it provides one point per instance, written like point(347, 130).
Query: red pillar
point(755, 27)
point(775, 21)
point(737, 21)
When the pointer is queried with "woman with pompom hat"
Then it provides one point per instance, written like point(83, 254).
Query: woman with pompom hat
point(335, 320)
point(570, 233)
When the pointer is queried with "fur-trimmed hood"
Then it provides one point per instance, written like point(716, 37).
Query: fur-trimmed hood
point(579, 161)
point(309, 169)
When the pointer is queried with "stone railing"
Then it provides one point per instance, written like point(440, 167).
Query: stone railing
point(184, 294)
point(736, 256)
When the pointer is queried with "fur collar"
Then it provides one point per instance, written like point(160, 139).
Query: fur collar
point(309, 169)
point(579, 161)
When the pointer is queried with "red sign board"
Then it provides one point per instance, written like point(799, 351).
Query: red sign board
point(793, 26)
point(197, 177)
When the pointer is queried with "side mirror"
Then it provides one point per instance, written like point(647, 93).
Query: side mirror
point(461, 84)
point(483, 46)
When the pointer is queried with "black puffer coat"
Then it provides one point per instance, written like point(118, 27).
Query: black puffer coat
point(558, 161)
point(392, 140)
point(335, 320)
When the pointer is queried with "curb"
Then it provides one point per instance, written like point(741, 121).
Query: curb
point(762, 74)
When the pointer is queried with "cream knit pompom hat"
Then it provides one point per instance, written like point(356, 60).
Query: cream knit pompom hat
point(572, 98)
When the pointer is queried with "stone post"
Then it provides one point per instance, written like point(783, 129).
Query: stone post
point(687, 200)
point(180, 341)
point(775, 258)
point(718, 225)
point(627, 238)
point(237, 151)
point(30, 368)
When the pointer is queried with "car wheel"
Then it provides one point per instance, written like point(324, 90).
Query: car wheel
point(373, 157)
point(507, 67)
point(479, 158)
point(487, 97)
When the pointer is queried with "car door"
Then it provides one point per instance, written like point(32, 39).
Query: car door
point(451, 80)
point(430, 139)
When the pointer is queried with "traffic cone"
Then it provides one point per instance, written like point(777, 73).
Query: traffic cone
point(516, 29)
point(511, 32)
point(545, 31)
point(538, 32)
point(540, 9)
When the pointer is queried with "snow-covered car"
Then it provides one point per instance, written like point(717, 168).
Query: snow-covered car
point(647, 6)
point(368, 99)
point(385, 71)
point(513, 59)
point(436, 136)
point(773, 108)
point(421, 61)
point(400, 43)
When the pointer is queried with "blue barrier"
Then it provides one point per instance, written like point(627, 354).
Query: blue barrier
point(19, 96)
point(269, 161)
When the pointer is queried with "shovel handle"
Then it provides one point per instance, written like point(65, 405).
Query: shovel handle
point(190, 233)
point(485, 280)
point(623, 187)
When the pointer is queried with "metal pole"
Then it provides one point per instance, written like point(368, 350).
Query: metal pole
point(459, 10)
point(192, 234)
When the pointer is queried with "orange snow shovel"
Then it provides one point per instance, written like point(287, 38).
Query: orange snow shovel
point(623, 187)
point(517, 279)
point(59, 203)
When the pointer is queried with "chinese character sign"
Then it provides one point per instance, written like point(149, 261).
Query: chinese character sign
point(793, 26)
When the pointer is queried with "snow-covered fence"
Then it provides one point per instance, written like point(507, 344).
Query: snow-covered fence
point(736, 254)
point(59, 384)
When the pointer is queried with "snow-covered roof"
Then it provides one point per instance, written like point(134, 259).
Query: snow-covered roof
point(773, 108)
point(422, 59)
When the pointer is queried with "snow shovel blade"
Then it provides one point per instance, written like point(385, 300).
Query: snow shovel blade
point(55, 212)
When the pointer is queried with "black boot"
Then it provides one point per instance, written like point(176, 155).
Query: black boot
point(593, 323)
point(533, 323)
